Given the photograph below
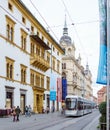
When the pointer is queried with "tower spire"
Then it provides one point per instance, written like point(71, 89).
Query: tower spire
point(65, 29)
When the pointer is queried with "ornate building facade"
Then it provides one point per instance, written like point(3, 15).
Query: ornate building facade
point(29, 56)
point(78, 79)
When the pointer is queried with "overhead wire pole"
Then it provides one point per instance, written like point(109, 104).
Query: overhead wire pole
point(108, 65)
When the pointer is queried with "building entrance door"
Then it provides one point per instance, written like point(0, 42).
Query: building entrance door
point(22, 102)
point(9, 99)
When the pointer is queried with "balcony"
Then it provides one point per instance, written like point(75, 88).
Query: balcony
point(39, 62)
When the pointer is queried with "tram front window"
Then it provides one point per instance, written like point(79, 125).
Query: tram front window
point(70, 103)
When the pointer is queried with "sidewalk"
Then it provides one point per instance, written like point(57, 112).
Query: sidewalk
point(93, 125)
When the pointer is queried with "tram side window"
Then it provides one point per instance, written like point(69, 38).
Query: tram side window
point(85, 105)
point(80, 105)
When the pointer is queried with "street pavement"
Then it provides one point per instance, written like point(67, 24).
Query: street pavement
point(7, 123)
point(93, 125)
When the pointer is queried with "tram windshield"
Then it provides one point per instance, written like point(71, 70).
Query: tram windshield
point(70, 103)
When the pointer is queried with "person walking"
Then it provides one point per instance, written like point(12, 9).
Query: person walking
point(18, 111)
point(63, 110)
point(43, 110)
point(26, 110)
point(47, 109)
point(14, 113)
point(52, 109)
point(29, 110)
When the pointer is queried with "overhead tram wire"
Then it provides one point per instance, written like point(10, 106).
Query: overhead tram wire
point(75, 29)
point(43, 19)
point(85, 22)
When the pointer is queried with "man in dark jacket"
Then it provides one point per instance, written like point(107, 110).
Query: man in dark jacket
point(17, 110)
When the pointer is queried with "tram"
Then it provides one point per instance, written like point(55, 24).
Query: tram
point(77, 106)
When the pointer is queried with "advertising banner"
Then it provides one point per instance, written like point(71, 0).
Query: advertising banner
point(102, 68)
point(53, 84)
point(64, 88)
point(59, 89)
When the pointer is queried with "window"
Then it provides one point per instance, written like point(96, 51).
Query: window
point(10, 28)
point(23, 20)
point(32, 29)
point(58, 65)
point(63, 65)
point(9, 68)
point(69, 51)
point(54, 49)
point(42, 81)
point(48, 83)
point(23, 39)
point(32, 48)
point(38, 50)
point(38, 80)
point(48, 57)
point(42, 53)
point(32, 77)
point(64, 50)
point(23, 74)
point(10, 6)
point(37, 33)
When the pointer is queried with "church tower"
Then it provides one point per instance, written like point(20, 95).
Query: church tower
point(66, 42)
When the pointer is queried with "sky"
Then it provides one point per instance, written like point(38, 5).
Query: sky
point(82, 17)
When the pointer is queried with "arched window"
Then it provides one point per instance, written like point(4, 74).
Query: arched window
point(69, 51)
point(64, 75)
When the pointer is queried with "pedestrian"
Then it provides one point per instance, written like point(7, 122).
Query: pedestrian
point(47, 109)
point(43, 110)
point(13, 113)
point(63, 110)
point(29, 110)
point(26, 110)
point(18, 111)
point(53, 109)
